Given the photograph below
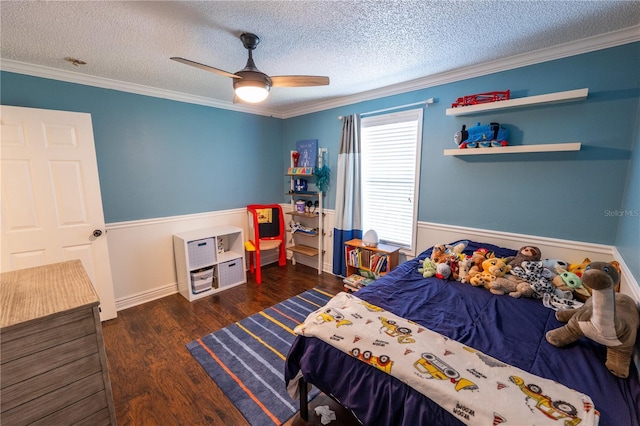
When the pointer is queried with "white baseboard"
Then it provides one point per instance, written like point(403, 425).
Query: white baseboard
point(147, 296)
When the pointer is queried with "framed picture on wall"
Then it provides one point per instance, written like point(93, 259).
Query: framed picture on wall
point(308, 152)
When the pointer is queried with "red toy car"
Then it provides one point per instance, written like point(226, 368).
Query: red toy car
point(481, 98)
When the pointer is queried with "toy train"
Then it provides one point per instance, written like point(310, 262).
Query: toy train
point(483, 136)
point(482, 98)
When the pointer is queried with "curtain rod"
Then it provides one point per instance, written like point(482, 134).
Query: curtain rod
point(426, 102)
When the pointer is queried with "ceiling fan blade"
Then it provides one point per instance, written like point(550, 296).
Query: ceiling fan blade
point(204, 67)
point(299, 80)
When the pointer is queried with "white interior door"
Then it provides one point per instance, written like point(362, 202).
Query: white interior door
point(51, 203)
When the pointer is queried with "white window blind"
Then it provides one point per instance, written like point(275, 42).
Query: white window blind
point(390, 163)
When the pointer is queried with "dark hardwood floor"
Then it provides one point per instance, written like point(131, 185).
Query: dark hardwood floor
point(156, 381)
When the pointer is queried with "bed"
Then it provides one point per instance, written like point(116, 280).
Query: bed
point(507, 329)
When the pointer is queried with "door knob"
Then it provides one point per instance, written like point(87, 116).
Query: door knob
point(97, 233)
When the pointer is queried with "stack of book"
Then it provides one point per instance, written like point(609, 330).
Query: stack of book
point(378, 263)
point(367, 260)
point(355, 282)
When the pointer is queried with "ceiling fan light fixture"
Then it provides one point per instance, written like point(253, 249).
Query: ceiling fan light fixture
point(251, 91)
point(253, 86)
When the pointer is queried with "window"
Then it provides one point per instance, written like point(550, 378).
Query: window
point(390, 163)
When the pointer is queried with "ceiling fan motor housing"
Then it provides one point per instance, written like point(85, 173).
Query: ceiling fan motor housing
point(250, 78)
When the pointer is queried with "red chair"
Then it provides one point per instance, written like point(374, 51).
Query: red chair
point(266, 232)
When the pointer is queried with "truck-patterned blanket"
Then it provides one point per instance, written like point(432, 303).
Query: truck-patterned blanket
point(474, 387)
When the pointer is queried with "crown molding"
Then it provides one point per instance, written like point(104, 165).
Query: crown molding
point(123, 86)
point(590, 44)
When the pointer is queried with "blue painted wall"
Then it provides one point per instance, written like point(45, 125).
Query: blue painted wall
point(159, 158)
point(559, 195)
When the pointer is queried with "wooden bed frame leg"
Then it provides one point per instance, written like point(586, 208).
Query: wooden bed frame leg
point(304, 406)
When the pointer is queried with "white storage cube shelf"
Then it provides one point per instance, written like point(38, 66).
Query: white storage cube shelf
point(209, 260)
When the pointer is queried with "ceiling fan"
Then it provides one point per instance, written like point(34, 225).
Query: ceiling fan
point(252, 85)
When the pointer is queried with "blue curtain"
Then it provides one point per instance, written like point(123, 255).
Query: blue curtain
point(348, 208)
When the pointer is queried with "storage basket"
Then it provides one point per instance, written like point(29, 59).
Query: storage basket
point(230, 272)
point(202, 253)
point(202, 280)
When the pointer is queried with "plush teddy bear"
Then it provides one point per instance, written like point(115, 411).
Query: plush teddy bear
point(607, 317)
point(428, 268)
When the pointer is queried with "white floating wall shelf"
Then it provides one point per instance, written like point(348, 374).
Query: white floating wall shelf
point(550, 98)
point(516, 149)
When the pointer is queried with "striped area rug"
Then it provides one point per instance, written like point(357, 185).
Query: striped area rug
point(246, 359)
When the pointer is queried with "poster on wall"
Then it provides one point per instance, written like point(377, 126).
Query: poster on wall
point(308, 151)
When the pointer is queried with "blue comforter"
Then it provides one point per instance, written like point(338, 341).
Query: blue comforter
point(511, 330)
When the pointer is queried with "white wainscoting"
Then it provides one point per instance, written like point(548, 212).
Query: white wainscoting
point(141, 252)
point(143, 267)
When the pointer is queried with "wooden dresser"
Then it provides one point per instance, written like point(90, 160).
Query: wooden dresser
point(53, 367)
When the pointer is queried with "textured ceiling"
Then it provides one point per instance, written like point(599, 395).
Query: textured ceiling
point(360, 45)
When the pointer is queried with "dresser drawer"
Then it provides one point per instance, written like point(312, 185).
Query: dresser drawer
point(41, 362)
point(35, 387)
point(60, 399)
point(41, 335)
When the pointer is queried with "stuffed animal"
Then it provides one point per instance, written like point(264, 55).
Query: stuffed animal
point(617, 266)
point(477, 258)
point(568, 281)
point(524, 254)
point(439, 253)
point(511, 285)
point(491, 269)
point(443, 271)
point(554, 267)
point(607, 317)
point(428, 268)
point(485, 136)
point(463, 269)
point(495, 266)
point(456, 249)
point(453, 260)
point(577, 268)
point(533, 273)
point(481, 280)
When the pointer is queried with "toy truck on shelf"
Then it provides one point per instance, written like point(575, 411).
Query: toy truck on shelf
point(482, 98)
